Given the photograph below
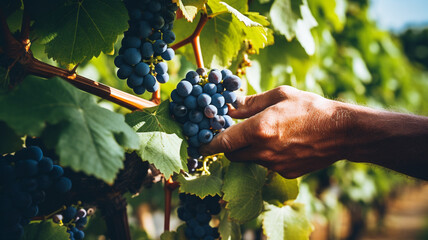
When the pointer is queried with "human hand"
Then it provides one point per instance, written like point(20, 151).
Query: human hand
point(289, 131)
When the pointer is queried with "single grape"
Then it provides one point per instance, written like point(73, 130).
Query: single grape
point(168, 54)
point(35, 153)
point(159, 47)
point(230, 97)
point(139, 90)
point(196, 116)
point(218, 100)
point(176, 97)
point(197, 90)
point(63, 185)
point(179, 110)
point(132, 56)
point(190, 129)
point(162, 78)
point(134, 80)
point(149, 82)
point(210, 89)
point(192, 77)
point(214, 76)
point(57, 218)
point(161, 68)
point(202, 72)
point(57, 171)
point(205, 136)
point(190, 102)
point(124, 71)
point(217, 122)
point(168, 36)
point(204, 100)
point(147, 50)
point(68, 214)
point(232, 83)
point(154, 6)
point(210, 111)
point(184, 88)
point(142, 69)
point(226, 73)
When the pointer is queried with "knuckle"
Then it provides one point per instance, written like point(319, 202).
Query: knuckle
point(225, 143)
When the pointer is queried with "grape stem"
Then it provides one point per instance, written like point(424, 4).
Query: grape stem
point(168, 193)
point(194, 40)
point(20, 53)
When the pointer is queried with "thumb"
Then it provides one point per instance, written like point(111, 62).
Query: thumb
point(235, 137)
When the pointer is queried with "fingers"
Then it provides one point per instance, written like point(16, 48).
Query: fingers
point(245, 107)
point(235, 137)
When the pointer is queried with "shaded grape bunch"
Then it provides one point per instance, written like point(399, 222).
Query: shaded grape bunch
point(25, 177)
point(75, 219)
point(197, 212)
point(199, 104)
point(141, 58)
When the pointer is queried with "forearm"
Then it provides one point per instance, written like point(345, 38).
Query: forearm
point(393, 140)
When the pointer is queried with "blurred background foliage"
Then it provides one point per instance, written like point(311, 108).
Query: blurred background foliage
point(330, 47)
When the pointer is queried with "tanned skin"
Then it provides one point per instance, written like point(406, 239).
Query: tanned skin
point(295, 132)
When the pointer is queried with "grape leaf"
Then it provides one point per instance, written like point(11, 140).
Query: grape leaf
point(204, 185)
point(190, 8)
point(228, 229)
point(223, 35)
point(177, 235)
point(86, 137)
point(287, 222)
point(76, 31)
point(161, 140)
point(9, 141)
point(278, 190)
point(45, 230)
point(243, 190)
point(294, 20)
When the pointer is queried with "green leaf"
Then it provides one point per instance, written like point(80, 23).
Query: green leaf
point(278, 190)
point(228, 229)
point(177, 235)
point(294, 19)
point(243, 190)
point(224, 34)
point(76, 31)
point(9, 141)
point(288, 222)
point(190, 8)
point(45, 230)
point(204, 185)
point(161, 140)
point(86, 137)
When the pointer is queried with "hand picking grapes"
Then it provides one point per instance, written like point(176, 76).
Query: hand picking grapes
point(295, 132)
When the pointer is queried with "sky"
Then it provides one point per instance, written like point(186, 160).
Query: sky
point(396, 15)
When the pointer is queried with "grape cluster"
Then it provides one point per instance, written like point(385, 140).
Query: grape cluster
point(24, 179)
point(145, 44)
point(75, 219)
point(199, 103)
point(196, 212)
